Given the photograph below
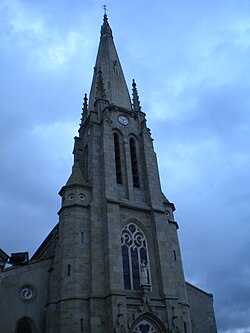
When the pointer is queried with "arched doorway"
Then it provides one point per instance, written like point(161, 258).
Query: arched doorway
point(24, 326)
point(148, 323)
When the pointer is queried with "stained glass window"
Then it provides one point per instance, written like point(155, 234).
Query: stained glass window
point(134, 257)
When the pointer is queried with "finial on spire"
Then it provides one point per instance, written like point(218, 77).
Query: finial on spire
point(136, 101)
point(84, 109)
point(85, 103)
point(105, 9)
point(105, 29)
point(100, 89)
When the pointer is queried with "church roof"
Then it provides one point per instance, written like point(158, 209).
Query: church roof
point(76, 177)
point(107, 65)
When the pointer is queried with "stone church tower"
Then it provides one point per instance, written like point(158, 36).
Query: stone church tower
point(113, 262)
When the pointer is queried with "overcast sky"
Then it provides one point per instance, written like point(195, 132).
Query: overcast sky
point(191, 62)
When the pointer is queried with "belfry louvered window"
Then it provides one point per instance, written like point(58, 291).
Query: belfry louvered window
point(118, 168)
point(134, 257)
point(134, 164)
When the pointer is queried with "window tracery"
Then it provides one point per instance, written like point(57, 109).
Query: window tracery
point(134, 257)
point(145, 327)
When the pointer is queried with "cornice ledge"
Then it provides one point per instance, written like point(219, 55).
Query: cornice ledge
point(72, 206)
point(174, 222)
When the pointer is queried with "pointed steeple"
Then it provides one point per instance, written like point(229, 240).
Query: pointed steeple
point(136, 101)
point(107, 60)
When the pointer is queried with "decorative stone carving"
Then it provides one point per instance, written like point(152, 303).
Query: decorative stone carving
point(144, 326)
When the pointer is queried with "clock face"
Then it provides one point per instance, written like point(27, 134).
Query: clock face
point(123, 120)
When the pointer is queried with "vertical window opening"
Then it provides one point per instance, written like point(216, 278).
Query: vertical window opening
point(185, 327)
point(118, 167)
point(82, 237)
point(86, 164)
point(134, 164)
point(81, 324)
point(126, 268)
point(174, 255)
point(134, 257)
point(135, 268)
point(68, 270)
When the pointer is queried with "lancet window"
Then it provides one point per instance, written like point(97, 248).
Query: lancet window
point(118, 167)
point(134, 257)
point(134, 163)
point(86, 164)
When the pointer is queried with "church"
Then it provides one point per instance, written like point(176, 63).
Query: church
point(113, 262)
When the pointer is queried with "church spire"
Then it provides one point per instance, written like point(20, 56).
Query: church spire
point(116, 89)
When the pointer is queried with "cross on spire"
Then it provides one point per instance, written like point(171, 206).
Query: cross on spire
point(105, 9)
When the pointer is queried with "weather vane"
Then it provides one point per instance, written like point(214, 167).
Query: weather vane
point(105, 8)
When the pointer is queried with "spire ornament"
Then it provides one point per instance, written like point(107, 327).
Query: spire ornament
point(100, 90)
point(105, 9)
point(105, 29)
point(84, 109)
point(136, 101)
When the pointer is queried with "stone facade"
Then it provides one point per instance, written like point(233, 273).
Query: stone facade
point(201, 310)
point(113, 263)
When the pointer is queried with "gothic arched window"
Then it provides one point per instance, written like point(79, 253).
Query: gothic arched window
point(118, 167)
point(134, 163)
point(134, 257)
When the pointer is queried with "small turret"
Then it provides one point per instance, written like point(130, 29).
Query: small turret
point(76, 190)
point(76, 177)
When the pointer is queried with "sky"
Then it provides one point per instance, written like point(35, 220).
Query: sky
point(191, 62)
